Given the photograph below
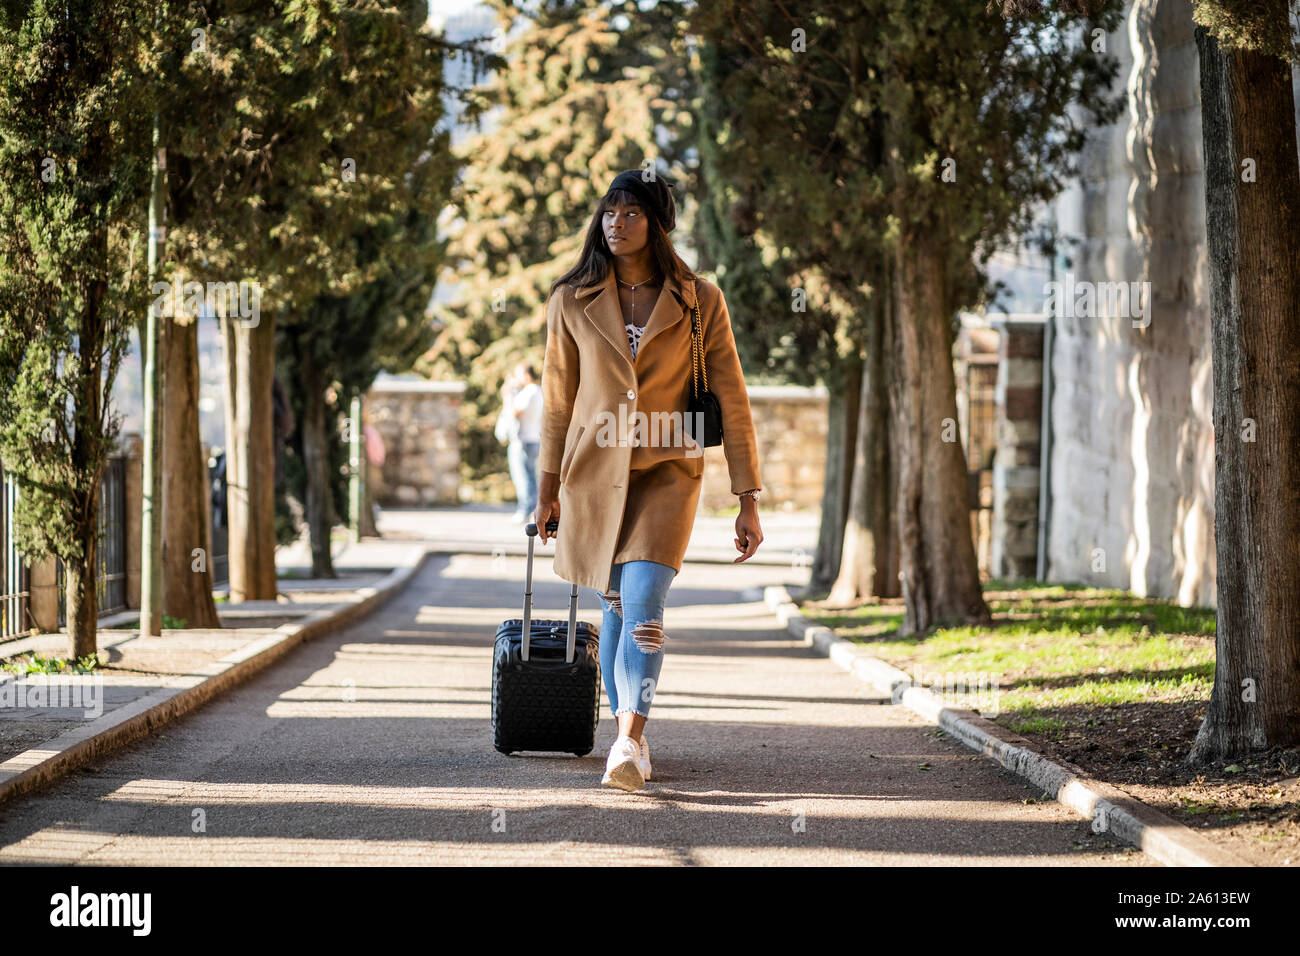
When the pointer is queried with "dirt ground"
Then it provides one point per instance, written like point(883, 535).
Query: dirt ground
point(1251, 808)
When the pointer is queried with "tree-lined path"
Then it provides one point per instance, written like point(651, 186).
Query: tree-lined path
point(373, 746)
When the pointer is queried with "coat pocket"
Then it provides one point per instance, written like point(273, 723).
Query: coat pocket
point(694, 464)
point(569, 453)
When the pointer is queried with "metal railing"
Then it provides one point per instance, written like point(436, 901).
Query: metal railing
point(110, 545)
point(13, 570)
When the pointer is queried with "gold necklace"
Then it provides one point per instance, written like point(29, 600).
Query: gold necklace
point(633, 288)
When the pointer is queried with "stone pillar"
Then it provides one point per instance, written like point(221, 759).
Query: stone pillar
point(43, 595)
point(1018, 406)
point(418, 423)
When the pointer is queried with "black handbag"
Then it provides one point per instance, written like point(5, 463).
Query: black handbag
point(701, 406)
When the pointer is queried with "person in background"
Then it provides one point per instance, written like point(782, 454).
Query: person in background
point(523, 398)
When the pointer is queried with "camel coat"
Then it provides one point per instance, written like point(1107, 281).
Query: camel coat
point(630, 478)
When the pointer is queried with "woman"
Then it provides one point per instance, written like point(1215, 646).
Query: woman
point(523, 404)
point(614, 456)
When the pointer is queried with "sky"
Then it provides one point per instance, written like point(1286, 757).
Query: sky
point(440, 10)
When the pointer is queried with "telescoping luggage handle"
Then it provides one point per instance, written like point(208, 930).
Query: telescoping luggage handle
point(571, 648)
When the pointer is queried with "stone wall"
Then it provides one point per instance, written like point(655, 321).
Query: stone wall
point(976, 356)
point(419, 422)
point(1132, 460)
point(790, 425)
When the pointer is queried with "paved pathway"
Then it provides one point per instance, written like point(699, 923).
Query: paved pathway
point(789, 537)
point(373, 746)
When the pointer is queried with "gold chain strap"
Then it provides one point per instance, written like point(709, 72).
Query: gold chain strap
point(699, 368)
point(695, 364)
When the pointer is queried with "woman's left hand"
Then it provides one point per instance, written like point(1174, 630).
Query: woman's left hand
point(748, 533)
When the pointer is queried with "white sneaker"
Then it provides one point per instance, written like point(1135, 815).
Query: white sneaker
point(623, 767)
point(645, 758)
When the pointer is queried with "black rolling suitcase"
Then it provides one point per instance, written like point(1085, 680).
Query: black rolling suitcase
point(545, 678)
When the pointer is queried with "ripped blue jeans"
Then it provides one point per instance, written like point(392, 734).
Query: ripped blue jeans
point(632, 634)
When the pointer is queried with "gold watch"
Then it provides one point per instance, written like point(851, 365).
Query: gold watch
point(752, 493)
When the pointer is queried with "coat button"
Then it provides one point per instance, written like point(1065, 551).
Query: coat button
point(631, 394)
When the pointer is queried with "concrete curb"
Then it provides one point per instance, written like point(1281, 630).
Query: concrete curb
point(1109, 808)
point(36, 767)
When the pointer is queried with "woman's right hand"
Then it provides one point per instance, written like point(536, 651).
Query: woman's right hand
point(548, 503)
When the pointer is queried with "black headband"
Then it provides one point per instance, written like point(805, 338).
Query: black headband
point(654, 195)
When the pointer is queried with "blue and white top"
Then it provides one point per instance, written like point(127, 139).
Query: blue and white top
point(633, 336)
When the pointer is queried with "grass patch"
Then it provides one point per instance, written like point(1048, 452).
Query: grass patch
point(1037, 725)
point(39, 664)
point(1050, 647)
point(866, 621)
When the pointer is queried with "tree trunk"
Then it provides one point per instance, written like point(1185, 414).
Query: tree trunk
point(1253, 230)
point(250, 467)
point(319, 506)
point(888, 578)
point(187, 505)
point(868, 537)
point(841, 437)
point(82, 601)
point(941, 583)
point(831, 492)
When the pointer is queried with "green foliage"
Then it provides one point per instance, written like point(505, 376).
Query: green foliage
point(1250, 25)
point(758, 268)
point(73, 175)
point(258, 188)
point(39, 664)
point(883, 96)
point(578, 100)
point(329, 202)
point(336, 351)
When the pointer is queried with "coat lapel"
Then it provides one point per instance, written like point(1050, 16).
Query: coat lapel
point(602, 309)
point(673, 306)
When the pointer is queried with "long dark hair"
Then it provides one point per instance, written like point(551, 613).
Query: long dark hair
point(596, 260)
